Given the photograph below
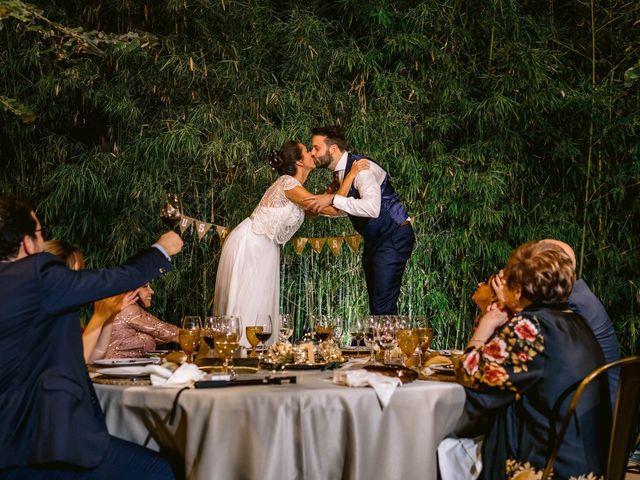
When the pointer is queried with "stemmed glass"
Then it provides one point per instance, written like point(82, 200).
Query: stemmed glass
point(208, 328)
point(250, 330)
point(171, 212)
point(370, 327)
point(336, 324)
point(407, 340)
point(425, 336)
point(386, 334)
point(189, 335)
point(321, 328)
point(227, 339)
point(286, 327)
point(263, 329)
point(357, 332)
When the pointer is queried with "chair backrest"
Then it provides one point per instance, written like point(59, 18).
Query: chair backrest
point(624, 416)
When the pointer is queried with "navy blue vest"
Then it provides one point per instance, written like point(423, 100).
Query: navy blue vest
point(392, 212)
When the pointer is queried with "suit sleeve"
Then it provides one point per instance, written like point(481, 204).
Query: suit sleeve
point(63, 289)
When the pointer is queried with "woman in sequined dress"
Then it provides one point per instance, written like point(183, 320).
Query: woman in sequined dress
point(131, 331)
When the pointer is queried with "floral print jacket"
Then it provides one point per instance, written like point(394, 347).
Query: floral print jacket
point(522, 379)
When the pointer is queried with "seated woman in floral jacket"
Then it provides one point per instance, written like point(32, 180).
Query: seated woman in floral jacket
point(523, 370)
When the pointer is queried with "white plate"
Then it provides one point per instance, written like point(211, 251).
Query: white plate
point(126, 372)
point(109, 362)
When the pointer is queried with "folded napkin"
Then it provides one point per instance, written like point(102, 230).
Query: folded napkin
point(383, 386)
point(184, 375)
point(460, 458)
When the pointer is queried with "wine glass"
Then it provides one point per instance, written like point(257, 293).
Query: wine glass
point(250, 331)
point(356, 332)
point(407, 340)
point(321, 328)
point(370, 328)
point(208, 328)
point(386, 331)
point(263, 328)
point(171, 211)
point(425, 336)
point(189, 336)
point(286, 327)
point(336, 323)
point(227, 339)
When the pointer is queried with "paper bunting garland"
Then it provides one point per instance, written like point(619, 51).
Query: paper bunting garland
point(334, 244)
point(185, 222)
point(298, 243)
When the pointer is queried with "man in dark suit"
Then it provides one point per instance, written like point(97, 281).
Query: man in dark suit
point(376, 213)
point(51, 425)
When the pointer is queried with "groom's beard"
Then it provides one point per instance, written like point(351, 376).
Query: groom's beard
point(323, 161)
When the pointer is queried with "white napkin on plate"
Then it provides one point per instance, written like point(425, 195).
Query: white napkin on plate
point(185, 374)
point(384, 386)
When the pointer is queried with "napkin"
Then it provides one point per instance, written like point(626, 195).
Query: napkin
point(383, 386)
point(184, 375)
point(460, 458)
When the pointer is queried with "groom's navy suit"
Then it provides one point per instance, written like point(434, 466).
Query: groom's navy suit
point(49, 413)
point(388, 243)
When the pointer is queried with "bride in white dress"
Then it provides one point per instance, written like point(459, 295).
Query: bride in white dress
point(248, 278)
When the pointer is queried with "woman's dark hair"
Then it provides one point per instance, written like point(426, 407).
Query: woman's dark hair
point(15, 222)
point(284, 160)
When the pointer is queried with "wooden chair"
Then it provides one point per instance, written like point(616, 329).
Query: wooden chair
point(625, 414)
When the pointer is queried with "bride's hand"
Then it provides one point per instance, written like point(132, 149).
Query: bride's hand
point(359, 166)
point(315, 203)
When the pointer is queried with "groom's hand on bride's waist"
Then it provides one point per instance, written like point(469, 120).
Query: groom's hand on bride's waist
point(315, 203)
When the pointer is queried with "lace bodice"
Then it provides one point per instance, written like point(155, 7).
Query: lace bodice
point(276, 216)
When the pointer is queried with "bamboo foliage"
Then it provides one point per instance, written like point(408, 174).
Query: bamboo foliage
point(498, 121)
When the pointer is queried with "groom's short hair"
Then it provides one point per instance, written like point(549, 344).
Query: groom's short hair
point(334, 133)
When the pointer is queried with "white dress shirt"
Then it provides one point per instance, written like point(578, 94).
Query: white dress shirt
point(367, 182)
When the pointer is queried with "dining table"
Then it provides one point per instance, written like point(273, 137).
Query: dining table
point(310, 429)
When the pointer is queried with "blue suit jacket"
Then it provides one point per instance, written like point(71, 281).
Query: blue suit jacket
point(586, 304)
point(48, 408)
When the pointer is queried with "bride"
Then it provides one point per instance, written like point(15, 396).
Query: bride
point(248, 278)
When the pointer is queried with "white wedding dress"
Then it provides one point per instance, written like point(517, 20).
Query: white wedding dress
point(248, 279)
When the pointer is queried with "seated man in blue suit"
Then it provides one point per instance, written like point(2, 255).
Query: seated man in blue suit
point(51, 425)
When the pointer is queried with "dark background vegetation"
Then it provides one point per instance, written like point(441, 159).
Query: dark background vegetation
point(500, 122)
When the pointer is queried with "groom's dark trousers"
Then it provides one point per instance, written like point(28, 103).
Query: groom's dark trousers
point(388, 243)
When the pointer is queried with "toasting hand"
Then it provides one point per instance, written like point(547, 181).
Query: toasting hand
point(171, 243)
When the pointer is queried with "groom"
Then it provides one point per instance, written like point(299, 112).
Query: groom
point(376, 213)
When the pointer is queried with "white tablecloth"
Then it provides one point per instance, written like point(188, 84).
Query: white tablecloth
point(309, 430)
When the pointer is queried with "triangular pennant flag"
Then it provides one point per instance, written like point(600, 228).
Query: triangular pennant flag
point(353, 241)
point(298, 244)
point(185, 222)
point(202, 227)
point(317, 244)
point(334, 244)
point(222, 232)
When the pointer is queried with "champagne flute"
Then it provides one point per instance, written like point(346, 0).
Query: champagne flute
point(357, 332)
point(171, 211)
point(263, 329)
point(286, 327)
point(189, 336)
point(227, 340)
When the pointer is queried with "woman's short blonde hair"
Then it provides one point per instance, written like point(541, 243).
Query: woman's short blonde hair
point(543, 271)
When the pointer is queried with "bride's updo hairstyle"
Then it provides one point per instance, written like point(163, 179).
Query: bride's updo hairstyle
point(284, 160)
point(543, 271)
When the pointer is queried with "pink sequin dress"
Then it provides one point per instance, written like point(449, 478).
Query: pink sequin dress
point(135, 331)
